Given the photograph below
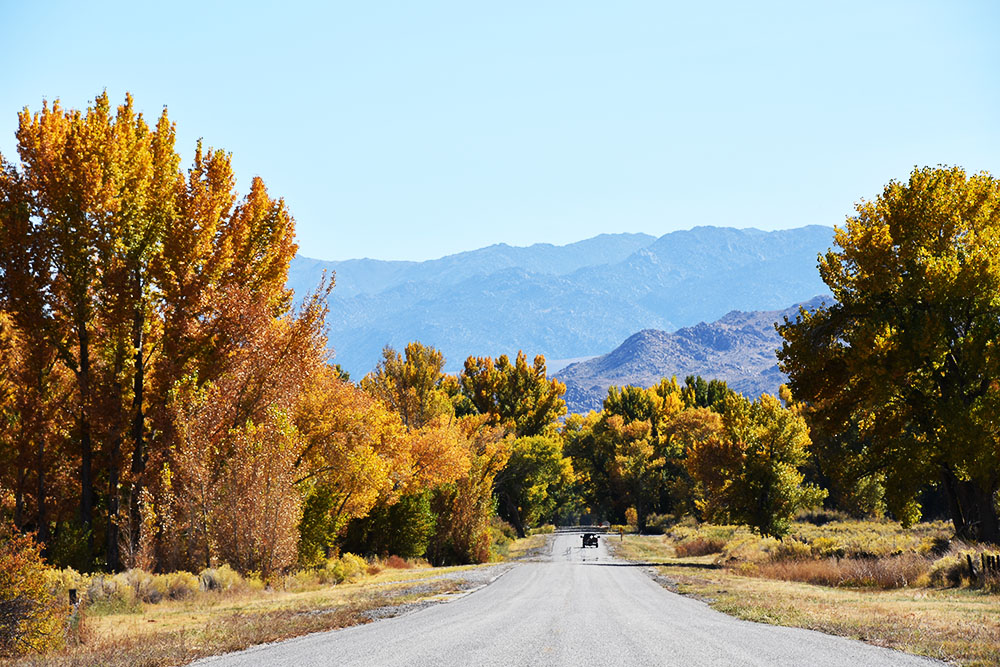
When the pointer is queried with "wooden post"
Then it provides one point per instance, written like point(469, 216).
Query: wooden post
point(73, 597)
point(972, 569)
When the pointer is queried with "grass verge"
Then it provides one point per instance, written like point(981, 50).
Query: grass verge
point(953, 624)
point(178, 631)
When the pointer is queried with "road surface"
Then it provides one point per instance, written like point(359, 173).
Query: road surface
point(573, 607)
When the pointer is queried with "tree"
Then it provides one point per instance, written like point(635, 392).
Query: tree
point(411, 385)
point(235, 437)
point(749, 470)
point(517, 396)
point(465, 506)
point(907, 356)
point(527, 488)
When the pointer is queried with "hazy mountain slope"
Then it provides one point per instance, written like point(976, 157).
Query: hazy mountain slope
point(562, 301)
point(372, 276)
point(738, 348)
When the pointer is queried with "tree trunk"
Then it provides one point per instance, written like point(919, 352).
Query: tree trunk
point(86, 446)
point(138, 427)
point(112, 554)
point(19, 497)
point(972, 507)
point(43, 519)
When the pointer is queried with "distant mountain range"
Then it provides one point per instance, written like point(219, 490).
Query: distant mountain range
point(565, 302)
point(739, 348)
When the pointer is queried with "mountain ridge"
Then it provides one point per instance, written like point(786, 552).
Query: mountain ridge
point(569, 301)
point(738, 348)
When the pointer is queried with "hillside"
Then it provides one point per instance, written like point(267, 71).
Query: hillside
point(738, 348)
point(567, 301)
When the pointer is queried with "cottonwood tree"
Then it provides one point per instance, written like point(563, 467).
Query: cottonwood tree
point(515, 395)
point(907, 356)
point(749, 468)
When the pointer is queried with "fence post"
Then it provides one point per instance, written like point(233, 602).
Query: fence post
point(972, 569)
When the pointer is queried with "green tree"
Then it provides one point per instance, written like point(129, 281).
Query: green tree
point(528, 488)
point(908, 355)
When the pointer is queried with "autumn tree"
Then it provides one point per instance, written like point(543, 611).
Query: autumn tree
point(228, 489)
point(465, 506)
point(749, 470)
point(907, 355)
point(516, 395)
point(353, 454)
point(410, 384)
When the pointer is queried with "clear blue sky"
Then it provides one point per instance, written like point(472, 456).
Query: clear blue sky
point(410, 130)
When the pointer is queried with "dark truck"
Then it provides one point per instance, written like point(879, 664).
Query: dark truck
point(589, 540)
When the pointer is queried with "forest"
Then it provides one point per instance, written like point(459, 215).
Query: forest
point(165, 406)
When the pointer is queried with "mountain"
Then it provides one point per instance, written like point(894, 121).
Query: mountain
point(738, 348)
point(565, 302)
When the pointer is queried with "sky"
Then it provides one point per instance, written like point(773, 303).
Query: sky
point(413, 130)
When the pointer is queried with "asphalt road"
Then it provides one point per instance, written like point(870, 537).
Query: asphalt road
point(574, 607)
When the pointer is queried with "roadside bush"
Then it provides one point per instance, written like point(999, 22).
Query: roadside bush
point(220, 578)
point(31, 617)
point(948, 571)
point(397, 563)
point(108, 594)
point(177, 585)
point(346, 568)
point(142, 584)
point(547, 529)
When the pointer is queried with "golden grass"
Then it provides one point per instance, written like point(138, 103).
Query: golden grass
point(177, 631)
point(959, 625)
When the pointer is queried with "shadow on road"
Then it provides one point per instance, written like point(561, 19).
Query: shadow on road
point(697, 566)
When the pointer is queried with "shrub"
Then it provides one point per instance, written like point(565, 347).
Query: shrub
point(346, 568)
point(699, 546)
point(947, 571)
point(397, 563)
point(111, 595)
point(547, 529)
point(177, 585)
point(792, 550)
point(31, 617)
point(143, 587)
point(220, 578)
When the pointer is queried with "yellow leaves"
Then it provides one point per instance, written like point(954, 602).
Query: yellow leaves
point(516, 395)
point(439, 453)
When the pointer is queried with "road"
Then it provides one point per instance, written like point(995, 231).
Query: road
point(573, 607)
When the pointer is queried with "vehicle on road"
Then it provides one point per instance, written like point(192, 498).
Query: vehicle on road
point(589, 540)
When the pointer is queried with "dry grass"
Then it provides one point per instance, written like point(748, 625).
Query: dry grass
point(957, 624)
point(699, 546)
point(209, 623)
point(889, 572)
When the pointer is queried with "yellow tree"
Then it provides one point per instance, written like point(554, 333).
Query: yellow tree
point(515, 395)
